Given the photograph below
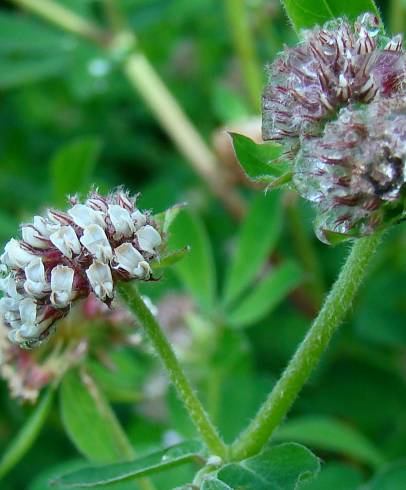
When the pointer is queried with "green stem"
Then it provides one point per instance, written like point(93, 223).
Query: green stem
point(396, 16)
point(309, 352)
point(245, 49)
point(208, 432)
point(64, 18)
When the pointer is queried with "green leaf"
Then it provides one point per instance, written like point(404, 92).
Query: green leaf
point(393, 477)
point(24, 35)
point(332, 435)
point(27, 435)
point(258, 236)
point(337, 476)
point(94, 476)
point(261, 162)
point(275, 468)
point(122, 378)
point(274, 288)
point(90, 422)
point(16, 72)
point(72, 167)
point(307, 13)
point(165, 219)
point(196, 270)
point(169, 259)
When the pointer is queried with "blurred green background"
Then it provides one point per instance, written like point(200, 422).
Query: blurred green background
point(57, 89)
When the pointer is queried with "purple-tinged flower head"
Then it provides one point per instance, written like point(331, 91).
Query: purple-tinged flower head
point(355, 173)
point(333, 66)
point(64, 256)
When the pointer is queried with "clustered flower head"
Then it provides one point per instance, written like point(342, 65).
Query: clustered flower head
point(337, 102)
point(356, 170)
point(334, 65)
point(65, 256)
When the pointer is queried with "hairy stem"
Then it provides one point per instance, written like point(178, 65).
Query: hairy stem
point(198, 415)
point(245, 49)
point(309, 352)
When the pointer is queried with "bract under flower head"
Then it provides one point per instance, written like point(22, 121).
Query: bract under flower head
point(355, 172)
point(67, 255)
point(333, 66)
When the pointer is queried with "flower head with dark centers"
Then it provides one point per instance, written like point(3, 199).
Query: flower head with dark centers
point(333, 66)
point(64, 256)
point(355, 172)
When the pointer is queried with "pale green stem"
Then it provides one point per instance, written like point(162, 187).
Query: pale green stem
point(187, 395)
point(64, 18)
point(170, 115)
point(151, 88)
point(396, 16)
point(245, 48)
point(309, 352)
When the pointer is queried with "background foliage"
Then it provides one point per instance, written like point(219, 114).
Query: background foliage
point(68, 118)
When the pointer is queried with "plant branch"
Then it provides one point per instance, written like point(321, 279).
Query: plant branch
point(64, 18)
point(198, 415)
point(309, 352)
point(245, 49)
point(153, 91)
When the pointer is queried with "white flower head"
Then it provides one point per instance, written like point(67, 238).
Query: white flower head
point(66, 241)
point(148, 238)
point(44, 226)
point(128, 258)
point(33, 237)
point(83, 216)
point(28, 315)
point(95, 240)
point(61, 286)
point(35, 283)
point(121, 220)
point(15, 256)
point(99, 275)
point(65, 255)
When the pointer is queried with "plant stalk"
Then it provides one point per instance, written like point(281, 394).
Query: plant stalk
point(245, 49)
point(154, 92)
point(308, 354)
point(64, 18)
point(131, 297)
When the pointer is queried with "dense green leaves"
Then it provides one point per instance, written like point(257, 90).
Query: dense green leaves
point(307, 13)
point(257, 238)
point(95, 476)
point(261, 162)
point(332, 435)
point(196, 270)
point(275, 468)
point(89, 420)
point(276, 285)
point(72, 167)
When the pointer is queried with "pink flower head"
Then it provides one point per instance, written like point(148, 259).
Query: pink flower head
point(333, 66)
point(355, 172)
